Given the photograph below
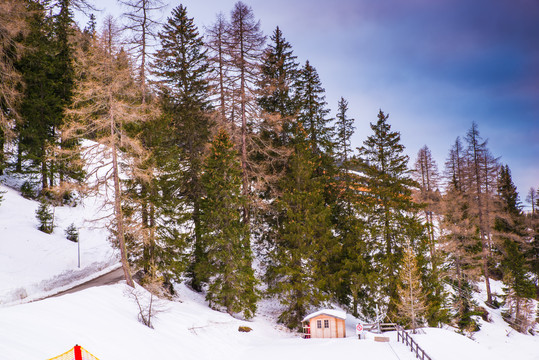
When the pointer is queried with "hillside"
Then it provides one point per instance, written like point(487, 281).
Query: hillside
point(104, 319)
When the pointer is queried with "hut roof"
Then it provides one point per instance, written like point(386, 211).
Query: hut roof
point(331, 312)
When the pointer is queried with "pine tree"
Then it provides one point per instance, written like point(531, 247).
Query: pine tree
point(45, 216)
point(299, 259)
point(313, 114)
point(350, 273)
point(510, 227)
point(390, 222)
point(41, 105)
point(72, 233)
point(182, 68)
point(231, 280)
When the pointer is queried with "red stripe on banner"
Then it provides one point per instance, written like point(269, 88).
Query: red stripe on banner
point(76, 350)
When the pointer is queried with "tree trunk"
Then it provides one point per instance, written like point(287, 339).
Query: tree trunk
point(118, 206)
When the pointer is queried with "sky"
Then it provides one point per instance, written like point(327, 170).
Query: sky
point(434, 66)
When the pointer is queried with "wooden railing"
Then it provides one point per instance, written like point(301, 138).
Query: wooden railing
point(409, 341)
point(383, 327)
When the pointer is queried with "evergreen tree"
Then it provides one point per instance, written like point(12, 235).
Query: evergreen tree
point(390, 222)
point(350, 272)
point(72, 233)
point(45, 216)
point(231, 280)
point(302, 250)
point(41, 104)
point(510, 227)
point(182, 68)
point(279, 71)
point(276, 100)
point(312, 115)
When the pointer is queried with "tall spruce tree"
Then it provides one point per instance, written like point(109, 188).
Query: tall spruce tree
point(298, 275)
point(225, 235)
point(391, 222)
point(510, 227)
point(41, 105)
point(350, 270)
point(182, 69)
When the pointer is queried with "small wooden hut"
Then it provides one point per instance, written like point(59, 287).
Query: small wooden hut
point(325, 323)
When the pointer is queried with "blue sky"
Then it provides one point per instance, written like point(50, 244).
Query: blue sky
point(433, 65)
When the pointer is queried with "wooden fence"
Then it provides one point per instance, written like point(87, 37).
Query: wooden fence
point(409, 341)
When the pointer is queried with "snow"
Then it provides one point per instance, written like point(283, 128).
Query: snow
point(104, 320)
point(34, 264)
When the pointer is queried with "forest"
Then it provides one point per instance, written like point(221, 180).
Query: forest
point(222, 166)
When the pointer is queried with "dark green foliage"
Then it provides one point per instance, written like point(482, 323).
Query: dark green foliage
point(387, 193)
point(224, 235)
point(72, 233)
point(312, 111)
point(48, 77)
point(278, 75)
point(45, 216)
point(302, 250)
point(184, 130)
point(27, 190)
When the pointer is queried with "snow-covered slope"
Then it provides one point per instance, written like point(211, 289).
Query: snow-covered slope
point(104, 319)
point(32, 263)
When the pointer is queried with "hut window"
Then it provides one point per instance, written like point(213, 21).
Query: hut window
point(326, 324)
point(319, 324)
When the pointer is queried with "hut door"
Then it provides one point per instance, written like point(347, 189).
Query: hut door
point(326, 328)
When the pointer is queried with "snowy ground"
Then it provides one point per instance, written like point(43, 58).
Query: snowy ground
point(104, 319)
point(32, 263)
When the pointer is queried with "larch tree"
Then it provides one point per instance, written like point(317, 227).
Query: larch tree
point(532, 198)
point(244, 47)
point(141, 25)
point(479, 164)
point(106, 102)
point(12, 24)
point(459, 240)
point(412, 306)
point(220, 86)
point(181, 67)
